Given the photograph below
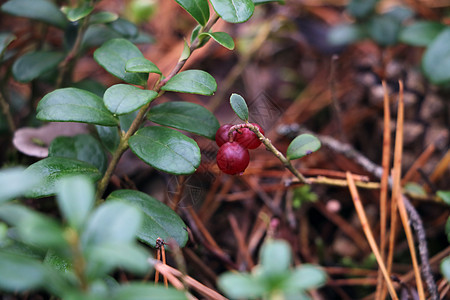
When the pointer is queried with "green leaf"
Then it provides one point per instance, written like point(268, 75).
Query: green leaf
point(445, 267)
point(302, 145)
point(222, 38)
point(234, 11)
point(305, 277)
point(198, 9)
point(444, 195)
point(121, 99)
point(103, 17)
point(239, 106)
point(275, 258)
point(140, 291)
point(361, 8)
point(41, 10)
point(447, 229)
point(109, 136)
point(77, 13)
point(192, 81)
point(159, 221)
point(97, 35)
point(125, 28)
point(384, 30)
point(74, 105)
point(127, 119)
point(112, 223)
point(185, 116)
point(166, 150)
point(14, 182)
point(414, 188)
point(113, 56)
point(241, 286)
point(5, 39)
point(20, 273)
point(83, 147)
point(76, 197)
point(420, 33)
point(52, 169)
point(195, 32)
point(186, 52)
point(436, 59)
point(141, 65)
point(345, 34)
point(34, 64)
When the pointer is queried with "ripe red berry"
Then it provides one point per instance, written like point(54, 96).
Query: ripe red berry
point(232, 158)
point(222, 134)
point(248, 138)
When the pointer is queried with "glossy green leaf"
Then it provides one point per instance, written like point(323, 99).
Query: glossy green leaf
point(361, 8)
point(14, 182)
point(103, 17)
point(345, 34)
point(305, 277)
point(241, 286)
point(222, 38)
point(192, 81)
point(195, 32)
point(445, 267)
point(20, 273)
point(384, 30)
point(5, 39)
point(52, 169)
point(186, 116)
point(141, 65)
point(234, 11)
point(83, 147)
point(109, 136)
point(436, 59)
point(302, 145)
point(198, 9)
point(142, 291)
point(41, 10)
point(444, 195)
point(121, 99)
point(76, 197)
point(97, 35)
point(158, 219)
point(74, 105)
point(113, 56)
point(34, 64)
point(239, 106)
point(77, 13)
point(420, 33)
point(275, 258)
point(166, 150)
point(125, 28)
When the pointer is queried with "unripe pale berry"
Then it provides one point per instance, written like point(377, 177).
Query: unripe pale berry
point(232, 158)
point(248, 138)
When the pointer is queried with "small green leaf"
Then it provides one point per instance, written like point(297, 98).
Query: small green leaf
point(97, 35)
point(34, 64)
point(124, 27)
point(122, 99)
point(345, 34)
point(185, 116)
point(275, 258)
point(436, 59)
point(77, 13)
point(100, 230)
point(166, 150)
point(113, 56)
point(74, 105)
point(141, 65)
point(445, 267)
point(361, 8)
point(241, 286)
point(444, 195)
point(420, 33)
point(5, 39)
point(234, 11)
point(41, 10)
point(302, 145)
point(305, 277)
point(52, 169)
point(198, 9)
point(414, 188)
point(103, 17)
point(140, 291)
point(222, 38)
point(192, 81)
point(384, 30)
point(195, 33)
point(109, 136)
point(20, 273)
point(239, 106)
point(76, 199)
point(83, 147)
point(14, 182)
point(186, 52)
point(159, 221)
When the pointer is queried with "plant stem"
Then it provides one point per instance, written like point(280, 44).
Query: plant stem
point(5, 108)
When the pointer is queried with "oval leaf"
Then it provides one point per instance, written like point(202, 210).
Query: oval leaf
point(41, 10)
point(113, 56)
point(103, 17)
point(306, 277)
point(74, 105)
point(302, 145)
point(14, 182)
point(275, 258)
point(198, 9)
point(242, 286)
point(436, 59)
point(166, 150)
point(239, 106)
point(139, 291)
point(83, 147)
point(192, 81)
point(185, 116)
point(78, 13)
point(141, 65)
point(384, 29)
point(234, 11)
point(52, 169)
point(5, 39)
point(121, 99)
point(445, 267)
point(159, 221)
point(420, 33)
point(444, 195)
point(222, 38)
point(32, 65)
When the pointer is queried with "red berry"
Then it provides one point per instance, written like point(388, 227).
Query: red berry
point(222, 134)
point(232, 158)
point(248, 138)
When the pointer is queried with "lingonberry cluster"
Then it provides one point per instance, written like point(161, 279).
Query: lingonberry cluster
point(233, 156)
